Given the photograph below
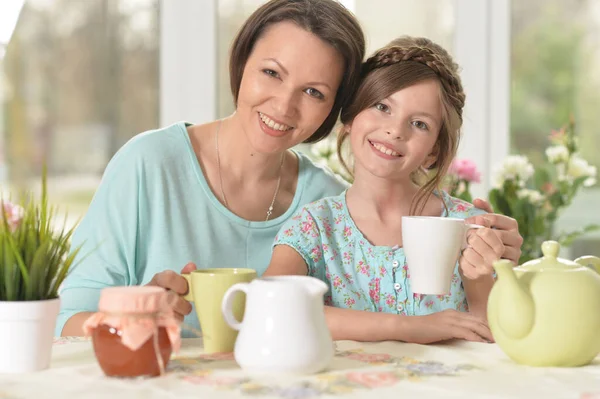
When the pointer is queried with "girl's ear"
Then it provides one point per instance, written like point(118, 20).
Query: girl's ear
point(348, 127)
point(432, 158)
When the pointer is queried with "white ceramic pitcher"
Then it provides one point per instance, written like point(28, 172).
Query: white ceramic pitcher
point(284, 329)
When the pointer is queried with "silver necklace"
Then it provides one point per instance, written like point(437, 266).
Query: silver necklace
point(270, 210)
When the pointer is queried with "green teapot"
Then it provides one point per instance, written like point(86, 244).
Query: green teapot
point(546, 312)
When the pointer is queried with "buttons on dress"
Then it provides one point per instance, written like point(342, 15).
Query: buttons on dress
point(400, 307)
point(397, 286)
point(395, 263)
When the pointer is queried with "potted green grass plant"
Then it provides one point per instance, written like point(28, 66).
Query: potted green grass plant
point(35, 258)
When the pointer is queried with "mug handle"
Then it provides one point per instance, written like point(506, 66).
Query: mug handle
point(190, 294)
point(227, 305)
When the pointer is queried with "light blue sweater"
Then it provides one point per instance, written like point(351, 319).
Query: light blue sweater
point(154, 211)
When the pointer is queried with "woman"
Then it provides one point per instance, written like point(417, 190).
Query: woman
point(216, 194)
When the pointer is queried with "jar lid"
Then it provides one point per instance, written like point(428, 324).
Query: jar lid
point(119, 307)
point(133, 300)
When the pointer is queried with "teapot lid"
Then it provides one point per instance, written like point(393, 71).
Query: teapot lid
point(550, 260)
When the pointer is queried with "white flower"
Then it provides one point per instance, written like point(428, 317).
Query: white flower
point(579, 167)
point(324, 148)
point(335, 164)
point(590, 181)
point(514, 167)
point(557, 154)
point(534, 196)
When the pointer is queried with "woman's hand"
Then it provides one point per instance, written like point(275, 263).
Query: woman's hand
point(501, 239)
point(505, 227)
point(177, 286)
point(446, 325)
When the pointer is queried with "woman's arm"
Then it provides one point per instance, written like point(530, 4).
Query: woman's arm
point(107, 236)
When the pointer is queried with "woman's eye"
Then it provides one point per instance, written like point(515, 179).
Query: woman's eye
point(271, 72)
point(314, 93)
point(382, 107)
point(420, 125)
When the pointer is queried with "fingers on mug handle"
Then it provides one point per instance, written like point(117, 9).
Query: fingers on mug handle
point(228, 303)
point(190, 294)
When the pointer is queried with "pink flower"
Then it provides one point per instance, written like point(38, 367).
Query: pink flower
point(558, 136)
point(14, 215)
point(337, 281)
point(309, 227)
point(465, 169)
point(315, 254)
point(350, 302)
point(373, 379)
point(390, 300)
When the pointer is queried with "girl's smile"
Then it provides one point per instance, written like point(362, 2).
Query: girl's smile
point(385, 150)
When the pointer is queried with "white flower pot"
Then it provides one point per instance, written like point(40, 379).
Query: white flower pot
point(26, 334)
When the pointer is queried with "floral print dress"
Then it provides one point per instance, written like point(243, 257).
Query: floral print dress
point(360, 275)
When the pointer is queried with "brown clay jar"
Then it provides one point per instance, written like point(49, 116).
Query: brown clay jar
point(117, 360)
point(130, 324)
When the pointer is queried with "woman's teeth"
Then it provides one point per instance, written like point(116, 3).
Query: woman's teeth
point(385, 150)
point(272, 124)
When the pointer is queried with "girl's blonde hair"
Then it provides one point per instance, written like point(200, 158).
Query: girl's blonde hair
point(403, 63)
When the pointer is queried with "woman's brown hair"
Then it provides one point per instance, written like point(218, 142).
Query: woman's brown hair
point(326, 19)
point(402, 63)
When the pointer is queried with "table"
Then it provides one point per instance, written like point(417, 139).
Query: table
point(457, 369)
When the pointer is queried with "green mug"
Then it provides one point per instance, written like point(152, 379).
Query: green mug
point(206, 290)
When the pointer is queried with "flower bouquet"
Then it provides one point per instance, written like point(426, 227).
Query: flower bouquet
point(535, 197)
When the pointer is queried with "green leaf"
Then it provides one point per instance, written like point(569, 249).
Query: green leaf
point(566, 239)
point(499, 202)
point(36, 257)
point(541, 176)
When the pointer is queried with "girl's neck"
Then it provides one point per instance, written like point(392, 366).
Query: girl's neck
point(380, 198)
point(237, 156)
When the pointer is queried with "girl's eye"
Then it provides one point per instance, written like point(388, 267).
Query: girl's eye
point(382, 107)
point(271, 72)
point(314, 93)
point(420, 125)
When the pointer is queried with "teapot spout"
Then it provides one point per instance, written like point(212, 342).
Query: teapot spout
point(516, 312)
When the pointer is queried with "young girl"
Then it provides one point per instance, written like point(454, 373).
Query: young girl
point(404, 121)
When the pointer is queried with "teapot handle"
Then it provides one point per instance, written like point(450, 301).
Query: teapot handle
point(588, 261)
point(228, 304)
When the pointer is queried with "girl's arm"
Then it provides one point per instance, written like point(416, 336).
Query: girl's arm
point(360, 325)
point(477, 292)
point(343, 324)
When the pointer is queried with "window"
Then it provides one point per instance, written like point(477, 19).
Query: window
point(80, 79)
point(555, 64)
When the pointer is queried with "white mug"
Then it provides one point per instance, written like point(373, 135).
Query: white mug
point(432, 247)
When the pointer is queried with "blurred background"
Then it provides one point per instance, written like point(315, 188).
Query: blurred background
point(78, 78)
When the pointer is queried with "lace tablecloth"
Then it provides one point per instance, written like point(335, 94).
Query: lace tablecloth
point(375, 370)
